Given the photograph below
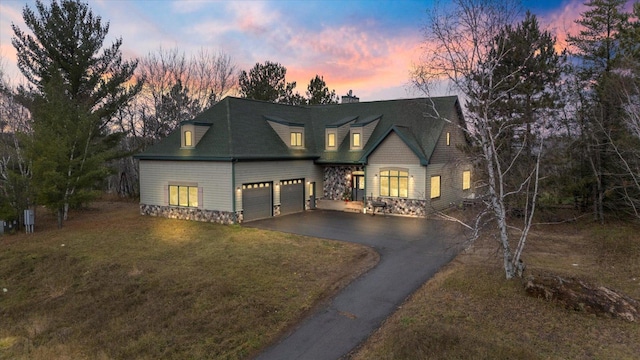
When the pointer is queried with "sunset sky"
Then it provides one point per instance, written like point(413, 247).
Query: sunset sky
point(366, 46)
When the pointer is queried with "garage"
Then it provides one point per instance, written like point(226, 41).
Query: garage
point(291, 196)
point(257, 201)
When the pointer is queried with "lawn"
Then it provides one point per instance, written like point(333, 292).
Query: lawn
point(113, 284)
point(469, 311)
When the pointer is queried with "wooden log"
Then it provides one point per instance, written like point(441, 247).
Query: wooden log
point(580, 296)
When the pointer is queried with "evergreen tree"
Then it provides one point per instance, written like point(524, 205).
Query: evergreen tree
point(527, 70)
point(267, 82)
point(318, 93)
point(599, 117)
point(76, 87)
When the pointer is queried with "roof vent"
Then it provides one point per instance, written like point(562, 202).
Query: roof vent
point(350, 98)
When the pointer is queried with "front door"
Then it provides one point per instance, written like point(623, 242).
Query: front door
point(357, 191)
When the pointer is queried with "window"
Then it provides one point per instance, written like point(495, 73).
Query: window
point(466, 180)
point(435, 187)
point(356, 140)
point(183, 195)
point(331, 140)
point(296, 139)
point(394, 183)
point(448, 138)
point(188, 138)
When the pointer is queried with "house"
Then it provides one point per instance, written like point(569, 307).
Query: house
point(244, 159)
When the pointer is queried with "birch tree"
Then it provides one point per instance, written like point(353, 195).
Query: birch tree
point(76, 85)
point(474, 46)
point(15, 169)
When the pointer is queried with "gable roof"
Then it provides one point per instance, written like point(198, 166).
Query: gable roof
point(240, 130)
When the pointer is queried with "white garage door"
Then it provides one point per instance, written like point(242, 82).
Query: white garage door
point(291, 196)
point(257, 201)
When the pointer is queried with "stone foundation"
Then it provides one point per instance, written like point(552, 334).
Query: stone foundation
point(186, 213)
point(409, 207)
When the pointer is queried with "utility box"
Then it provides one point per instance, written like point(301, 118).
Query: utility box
point(29, 219)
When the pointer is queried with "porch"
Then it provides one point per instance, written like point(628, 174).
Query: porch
point(340, 205)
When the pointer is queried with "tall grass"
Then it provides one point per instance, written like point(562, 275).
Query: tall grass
point(113, 284)
point(468, 310)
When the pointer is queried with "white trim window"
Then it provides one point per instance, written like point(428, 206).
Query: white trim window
point(296, 139)
point(394, 183)
point(356, 140)
point(466, 180)
point(332, 140)
point(435, 187)
point(188, 138)
point(181, 195)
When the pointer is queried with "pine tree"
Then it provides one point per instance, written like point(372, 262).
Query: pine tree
point(76, 87)
point(599, 117)
point(318, 93)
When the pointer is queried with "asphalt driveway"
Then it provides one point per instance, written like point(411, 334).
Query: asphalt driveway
point(411, 251)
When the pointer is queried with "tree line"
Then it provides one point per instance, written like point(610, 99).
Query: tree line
point(543, 124)
point(71, 130)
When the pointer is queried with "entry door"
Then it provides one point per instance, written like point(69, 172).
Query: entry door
point(358, 191)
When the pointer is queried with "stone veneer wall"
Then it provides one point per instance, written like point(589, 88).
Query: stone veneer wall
point(335, 181)
point(410, 207)
point(185, 213)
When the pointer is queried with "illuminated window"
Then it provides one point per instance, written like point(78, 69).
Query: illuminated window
point(296, 139)
point(356, 140)
point(394, 183)
point(331, 140)
point(188, 138)
point(435, 186)
point(466, 180)
point(183, 195)
point(448, 139)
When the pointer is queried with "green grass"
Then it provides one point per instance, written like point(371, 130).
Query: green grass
point(469, 311)
point(115, 285)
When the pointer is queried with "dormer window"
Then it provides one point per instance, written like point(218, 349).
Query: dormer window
point(331, 136)
point(292, 134)
point(296, 139)
point(191, 133)
point(188, 138)
point(356, 140)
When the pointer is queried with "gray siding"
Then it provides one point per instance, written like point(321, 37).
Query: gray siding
point(447, 154)
point(213, 177)
point(392, 150)
point(275, 171)
point(394, 153)
point(367, 130)
point(342, 132)
point(451, 192)
point(199, 133)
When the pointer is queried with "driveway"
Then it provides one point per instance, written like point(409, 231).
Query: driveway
point(411, 251)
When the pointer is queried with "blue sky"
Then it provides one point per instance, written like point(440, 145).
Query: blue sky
point(365, 46)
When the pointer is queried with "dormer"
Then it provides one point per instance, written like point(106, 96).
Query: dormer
point(335, 133)
point(191, 133)
point(361, 130)
point(291, 133)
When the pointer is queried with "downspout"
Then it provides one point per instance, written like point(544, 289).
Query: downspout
point(233, 190)
point(366, 184)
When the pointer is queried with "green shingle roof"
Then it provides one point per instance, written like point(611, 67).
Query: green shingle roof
point(239, 130)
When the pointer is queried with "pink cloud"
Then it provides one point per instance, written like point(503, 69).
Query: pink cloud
point(351, 58)
point(562, 22)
